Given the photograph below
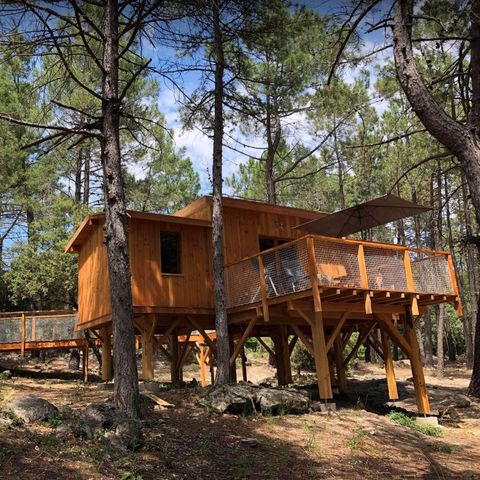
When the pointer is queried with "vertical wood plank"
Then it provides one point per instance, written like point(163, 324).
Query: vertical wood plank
point(362, 266)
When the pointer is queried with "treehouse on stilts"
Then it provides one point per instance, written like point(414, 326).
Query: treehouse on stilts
point(280, 283)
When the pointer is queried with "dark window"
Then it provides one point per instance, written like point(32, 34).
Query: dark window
point(266, 243)
point(170, 252)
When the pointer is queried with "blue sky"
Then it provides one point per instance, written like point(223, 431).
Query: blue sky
point(198, 146)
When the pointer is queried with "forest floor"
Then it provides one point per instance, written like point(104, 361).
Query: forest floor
point(186, 442)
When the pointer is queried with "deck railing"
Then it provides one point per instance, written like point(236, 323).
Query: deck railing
point(41, 326)
point(337, 263)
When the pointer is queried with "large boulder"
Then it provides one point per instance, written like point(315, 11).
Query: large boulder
point(273, 401)
point(95, 419)
point(239, 399)
point(246, 399)
point(30, 408)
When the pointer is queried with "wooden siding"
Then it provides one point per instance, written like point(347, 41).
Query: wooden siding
point(190, 289)
point(93, 283)
point(150, 288)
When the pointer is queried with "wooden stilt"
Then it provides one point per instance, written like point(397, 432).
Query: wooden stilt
point(85, 363)
point(389, 370)
point(107, 372)
point(147, 351)
point(244, 364)
point(421, 394)
point(320, 353)
point(203, 379)
point(339, 364)
point(174, 372)
point(282, 355)
point(211, 362)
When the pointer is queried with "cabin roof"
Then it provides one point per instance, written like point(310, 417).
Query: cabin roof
point(88, 224)
point(255, 205)
point(183, 216)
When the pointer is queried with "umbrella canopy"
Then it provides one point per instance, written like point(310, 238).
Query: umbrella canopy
point(373, 213)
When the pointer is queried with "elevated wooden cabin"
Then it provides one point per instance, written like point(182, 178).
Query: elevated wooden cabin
point(279, 284)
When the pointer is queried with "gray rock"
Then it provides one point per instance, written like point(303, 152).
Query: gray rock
point(458, 401)
point(239, 399)
point(95, 419)
point(151, 387)
point(128, 434)
point(30, 408)
point(7, 374)
point(250, 442)
point(285, 400)
point(246, 399)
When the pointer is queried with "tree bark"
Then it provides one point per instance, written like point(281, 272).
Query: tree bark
point(427, 339)
point(116, 225)
point(462, 140)
point(221, 322)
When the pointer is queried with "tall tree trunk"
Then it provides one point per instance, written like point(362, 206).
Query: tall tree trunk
point(469, 324)
point(116, 225)
point(86, 178)
point(427, 338)
point(440, 311)
point(78, 176)
point(462, 140)
point(273, 141)
point(221, 321)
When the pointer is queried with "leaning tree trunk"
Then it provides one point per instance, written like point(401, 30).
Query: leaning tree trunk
point(116, 232)
point(221, 322)
point(462, 140)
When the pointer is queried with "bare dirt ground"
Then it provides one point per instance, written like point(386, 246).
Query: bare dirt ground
point(187, 442)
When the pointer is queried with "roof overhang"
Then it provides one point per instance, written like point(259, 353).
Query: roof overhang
point(89, 222)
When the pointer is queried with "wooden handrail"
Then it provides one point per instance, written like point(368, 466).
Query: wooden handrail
point(344, 241)
point(263, 288)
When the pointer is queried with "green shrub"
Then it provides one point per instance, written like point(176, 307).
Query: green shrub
point(301, 359)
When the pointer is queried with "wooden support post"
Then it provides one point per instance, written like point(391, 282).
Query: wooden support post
point(453, 279)
point(211, 362)
point(320, 354)
point(147, 352)
point(203, 376)
point(85, 362)
point(336, 330)
point(244, 364)
point(107, 372)
point(175, 374)
point(389, 369)
point(421, 393)
point(339, 364)
point(282, 355)
point(22, 335)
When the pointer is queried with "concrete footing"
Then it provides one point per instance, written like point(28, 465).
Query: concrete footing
point(427, 420)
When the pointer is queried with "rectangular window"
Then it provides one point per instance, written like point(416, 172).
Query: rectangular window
point(170, 252)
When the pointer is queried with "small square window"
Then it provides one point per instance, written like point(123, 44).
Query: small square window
point(170, 252)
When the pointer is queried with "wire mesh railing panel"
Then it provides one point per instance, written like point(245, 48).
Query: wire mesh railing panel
point(337, 264)
point(242, 281)
point(38, 328)
point(431, 273)
point(286, 270)
point(385, 269)
point(10, 331)
point(54, 328)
